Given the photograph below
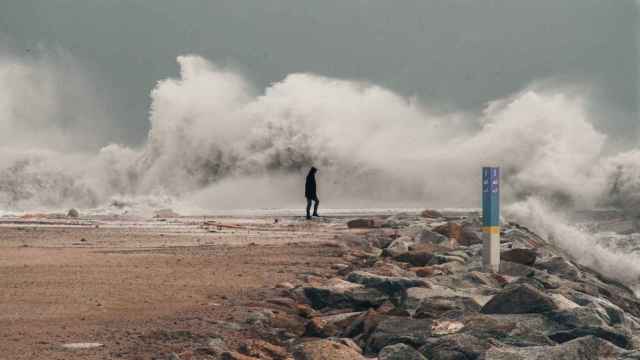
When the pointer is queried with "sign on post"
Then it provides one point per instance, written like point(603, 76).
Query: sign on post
point(491, 218)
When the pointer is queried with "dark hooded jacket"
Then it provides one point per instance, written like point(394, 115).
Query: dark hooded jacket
point(310, 185)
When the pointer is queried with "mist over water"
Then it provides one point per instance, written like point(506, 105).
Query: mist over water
point(216, 142)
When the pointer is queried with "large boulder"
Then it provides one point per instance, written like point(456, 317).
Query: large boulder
point(380, 238)
point(415, 258)
point(513, 329)
point(387, 284)
point(514, 269)
point(454, 347)
point(330, 325)
point(449, 307)
point(400, 352)
point(560, 267)
point(397, 330)
point(415, 296)
point(606, 311)
point(363, 325)
point(337, 293)
point(519, 299)
point(520, 256)
point(292, 323)
point(619, 338)
point(585, 348)
point(325, 350)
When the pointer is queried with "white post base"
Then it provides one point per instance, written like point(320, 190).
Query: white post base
point(491, 250)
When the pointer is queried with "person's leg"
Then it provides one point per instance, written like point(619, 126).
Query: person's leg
point(315, 207)
point(308, 208)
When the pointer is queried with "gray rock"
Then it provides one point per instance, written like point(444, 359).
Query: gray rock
point(387, 284)
point(415, 296)
point(585, 348)
point(347, 342)
point(512, 329)
point(438, 259)
point(397, 221)
point(610, 313)
point(431, 214)
point(380, 238)
point(485, 279)
point(561, 267)
point(416, 258)
point(325, 349)
point(616, 337)
point(330, 325)
point(585, 316)
point(521, 256)
point(400, 352)
point(454, 347)
point(430, 237)
point(519, 299)
point(514, 269)
point(343, 294)
point(448, 307)
point(362, 224)
point(396, 330)
point(173, 356)
point(216, 346)
point(631, 355)
point(469, 236)
point(262, 316)
point(459, 253)
point(398, 246)
point(358, 242)
point(387, 268)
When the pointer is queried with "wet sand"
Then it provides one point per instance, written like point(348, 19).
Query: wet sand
point(145, 288)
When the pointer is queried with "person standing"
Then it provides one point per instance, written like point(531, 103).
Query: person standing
point(310, 192)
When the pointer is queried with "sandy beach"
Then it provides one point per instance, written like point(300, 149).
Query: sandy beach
point(142, 288)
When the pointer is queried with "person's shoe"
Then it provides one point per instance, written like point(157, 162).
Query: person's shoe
point(308, 217)
point(316, 215)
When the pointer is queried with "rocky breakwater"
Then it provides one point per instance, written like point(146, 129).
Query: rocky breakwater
point(412, 287)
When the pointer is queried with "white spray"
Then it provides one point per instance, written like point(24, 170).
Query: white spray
point(216, 143)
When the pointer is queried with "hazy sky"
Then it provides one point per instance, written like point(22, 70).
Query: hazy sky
point(456, 54)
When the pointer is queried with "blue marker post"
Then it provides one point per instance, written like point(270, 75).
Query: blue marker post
point(491, 218)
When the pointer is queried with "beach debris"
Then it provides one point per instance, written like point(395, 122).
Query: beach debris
point(361, 224)
point(431, 214)
point(82, 345)
point(165, 213)
point(73, 213)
